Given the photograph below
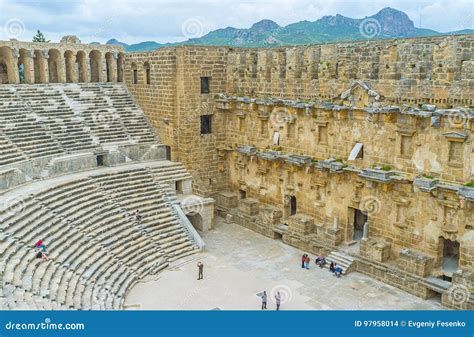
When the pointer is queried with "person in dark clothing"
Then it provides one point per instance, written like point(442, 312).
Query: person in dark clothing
point(264, 300)
point(277, 300)
point(332, 267)
point(200, 270)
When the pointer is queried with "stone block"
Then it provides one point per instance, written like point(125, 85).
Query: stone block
point(72, 163)
point(377, 249)
point(301, 224)
point(415, 263)
point(113, 158)
point(11, 178)
point(270, 215)
point(249, 206)
point(227, 199)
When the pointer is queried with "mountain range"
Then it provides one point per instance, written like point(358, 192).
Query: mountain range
point(387, 23)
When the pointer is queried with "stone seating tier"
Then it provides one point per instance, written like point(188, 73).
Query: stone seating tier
point(98, 249)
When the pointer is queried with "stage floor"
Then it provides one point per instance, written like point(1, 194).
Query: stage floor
point(239, 263)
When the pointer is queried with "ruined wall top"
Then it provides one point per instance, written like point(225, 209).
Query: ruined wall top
point(67, 43)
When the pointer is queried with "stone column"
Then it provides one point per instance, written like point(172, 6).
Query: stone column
point(113, 67)
point(61, 68)
point(366, 231)
point(87, 69)
point(103, 69)
point(44, 67)
point(15, 72)
point(71, 65)
point(28, 63)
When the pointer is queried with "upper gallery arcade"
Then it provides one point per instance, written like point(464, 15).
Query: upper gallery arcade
point(68, 61)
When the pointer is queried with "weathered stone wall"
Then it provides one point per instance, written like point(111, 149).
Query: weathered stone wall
point(435, 70)
point(174, 104)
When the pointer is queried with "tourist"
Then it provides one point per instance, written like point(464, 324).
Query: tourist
point(40, 245)
point(200, 270)
point(41, 255)
point(138, 215)
point(321, 261)
point(264, 300)
point(303, 260)
point(306, 262)
point(337, 271)
point(277, 300)
point(332, 267)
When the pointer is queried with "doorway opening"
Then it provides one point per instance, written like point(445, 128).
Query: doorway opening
point(292, 205)
point(450, 256)
point(359, 221)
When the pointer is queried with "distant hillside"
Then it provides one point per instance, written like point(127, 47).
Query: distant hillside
point(387, 23)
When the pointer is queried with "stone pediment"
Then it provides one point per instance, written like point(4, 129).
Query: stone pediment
point(360, 94)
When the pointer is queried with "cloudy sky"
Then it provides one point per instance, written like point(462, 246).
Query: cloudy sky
point(134, 21)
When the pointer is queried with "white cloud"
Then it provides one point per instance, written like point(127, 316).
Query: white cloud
point(134, 21)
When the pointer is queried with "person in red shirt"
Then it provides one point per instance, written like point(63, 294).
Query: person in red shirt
point(40, 245)
point(303, 260)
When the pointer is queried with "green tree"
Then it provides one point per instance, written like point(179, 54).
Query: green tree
point(39, 37)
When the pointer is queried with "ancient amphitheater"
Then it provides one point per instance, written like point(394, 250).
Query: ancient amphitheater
point(361, 151)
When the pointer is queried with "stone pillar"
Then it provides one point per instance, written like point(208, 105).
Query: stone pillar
point(113, 67)
point(72, 67)
point(366, 231)
point(44, 66)
point(61, 68)
point(15, 72)
point(87, 69)
point(103, 69)
point(28, 63)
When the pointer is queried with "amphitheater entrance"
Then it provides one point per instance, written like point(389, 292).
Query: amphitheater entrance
point(196, 220)
point(450, 256)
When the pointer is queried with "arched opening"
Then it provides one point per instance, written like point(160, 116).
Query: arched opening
point(134, 74)
point(120, 62)
point(54, 65)
point(40, 67)
point(146, 70)
point(24, 66)
point(95, 65)
point(196, 220)
point(81, 66)
point(70, 63)
point(7, 69)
